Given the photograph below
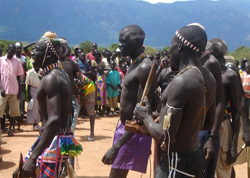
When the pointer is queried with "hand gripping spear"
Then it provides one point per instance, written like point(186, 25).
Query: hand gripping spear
point(134, 126)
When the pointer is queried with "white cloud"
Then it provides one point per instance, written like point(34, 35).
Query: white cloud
point(163, 1)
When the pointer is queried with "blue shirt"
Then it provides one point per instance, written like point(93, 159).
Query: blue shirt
point(83, 66)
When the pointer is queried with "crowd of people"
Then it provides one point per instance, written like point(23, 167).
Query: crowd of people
point(192, 111)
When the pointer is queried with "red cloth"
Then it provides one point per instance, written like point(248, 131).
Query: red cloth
point(90, 56)
point(245, 80)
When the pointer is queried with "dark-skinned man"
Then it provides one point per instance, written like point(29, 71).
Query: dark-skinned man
point(186, 101)
point(210, 143)
point(11, 70)
point(229, 129)
point(130, 151)
point(71, 67)
point(55, 107)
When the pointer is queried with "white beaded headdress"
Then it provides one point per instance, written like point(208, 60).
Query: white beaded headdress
point(186, 42)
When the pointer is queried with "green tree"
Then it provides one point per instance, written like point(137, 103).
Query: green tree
point(86, 46)
point(150, 50)
point(241, 52)
point(166, 48)
point(4, 44)
point(113, 47)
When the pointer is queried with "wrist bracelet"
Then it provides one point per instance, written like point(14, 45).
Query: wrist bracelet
point(213, 135)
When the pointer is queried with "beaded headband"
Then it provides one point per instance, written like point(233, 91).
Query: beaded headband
point(49, 46)
point(186, 42)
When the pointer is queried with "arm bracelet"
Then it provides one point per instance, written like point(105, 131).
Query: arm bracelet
point(213, 135)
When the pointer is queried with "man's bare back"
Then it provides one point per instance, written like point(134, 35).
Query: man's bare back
point(186, 101)
point(186, 130)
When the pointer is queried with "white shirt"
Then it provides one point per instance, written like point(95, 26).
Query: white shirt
point(33, 78)
point(22, 59)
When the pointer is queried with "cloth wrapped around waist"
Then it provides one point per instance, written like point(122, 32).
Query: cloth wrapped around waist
point(65, 146)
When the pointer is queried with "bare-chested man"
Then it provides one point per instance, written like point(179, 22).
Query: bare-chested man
point(243, 113)
point(210, 138)
point(243, 107)
point(55, 106)
point(130, 151)
point(71, 67)
point(185, 102)
point(229, 130)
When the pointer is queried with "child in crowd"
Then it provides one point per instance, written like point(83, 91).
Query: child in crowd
point(113, 83)
point(101, 91)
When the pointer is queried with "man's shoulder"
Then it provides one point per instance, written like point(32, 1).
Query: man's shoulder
point(15, 59)
point(211, 62)
point(146, 62)
point(55, 77)
point(230, 73)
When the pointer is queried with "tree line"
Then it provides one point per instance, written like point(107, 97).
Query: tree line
point(238, 54)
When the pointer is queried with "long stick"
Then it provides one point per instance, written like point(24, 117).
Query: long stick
point(150, 80)
point(241, 149)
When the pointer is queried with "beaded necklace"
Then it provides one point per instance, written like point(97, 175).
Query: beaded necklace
point(205, 89)
point(142, 56)
point(48, 68)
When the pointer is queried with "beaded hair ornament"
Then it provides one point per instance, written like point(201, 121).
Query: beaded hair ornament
point(186, 42)
point(49, 47)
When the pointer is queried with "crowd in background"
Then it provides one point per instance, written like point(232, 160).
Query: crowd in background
point(106, 69)
point(102, 74)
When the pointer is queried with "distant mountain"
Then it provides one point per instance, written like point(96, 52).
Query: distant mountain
point(100, 21)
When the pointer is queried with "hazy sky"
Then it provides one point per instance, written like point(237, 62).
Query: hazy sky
point(167, 1)
point(164, 1)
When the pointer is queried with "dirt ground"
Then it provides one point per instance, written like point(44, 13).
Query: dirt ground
point(89, 163)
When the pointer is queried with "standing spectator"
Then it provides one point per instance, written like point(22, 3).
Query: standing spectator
point(98, 60)
point(118, 56)
point(87, 98)
point(107, 58)
point(33, 81)
point(76, 52)
point(245, 80)
point(237, 63)
point(113, 82)
point(23, 60)
point(242, 65)
point(91, 55)
point(83, 63)
point(101, 91)
point(10, 71)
